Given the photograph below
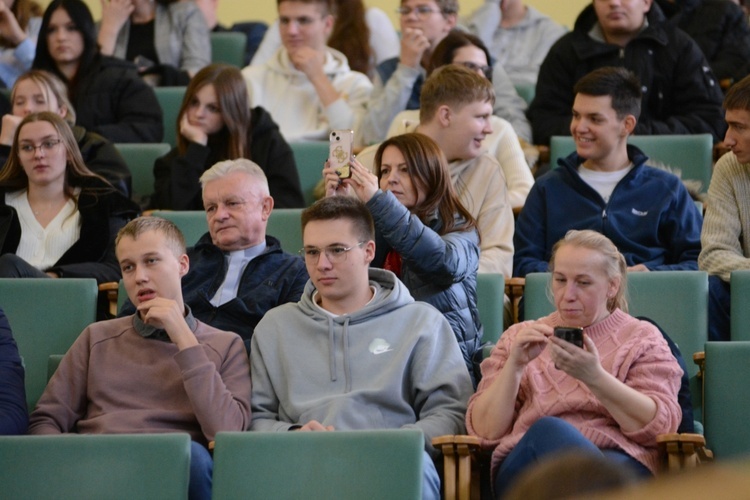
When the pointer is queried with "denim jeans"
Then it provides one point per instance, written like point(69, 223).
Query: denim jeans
point(201, 472)
point(547, 436)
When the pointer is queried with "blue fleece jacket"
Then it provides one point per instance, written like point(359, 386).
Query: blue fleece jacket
point(650, 217)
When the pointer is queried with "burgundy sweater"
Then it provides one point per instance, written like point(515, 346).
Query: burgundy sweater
point(113, 380)
point(633, 351)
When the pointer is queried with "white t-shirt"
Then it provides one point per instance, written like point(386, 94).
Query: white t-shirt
point(603, 182)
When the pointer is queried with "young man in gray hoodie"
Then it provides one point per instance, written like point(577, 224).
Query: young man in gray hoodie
point(339, 359)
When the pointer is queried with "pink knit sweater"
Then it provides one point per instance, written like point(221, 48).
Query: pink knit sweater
point(633, 351)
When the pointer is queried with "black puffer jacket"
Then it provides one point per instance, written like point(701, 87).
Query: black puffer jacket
point(720, 29)
point(680, 93)
point(113, 101)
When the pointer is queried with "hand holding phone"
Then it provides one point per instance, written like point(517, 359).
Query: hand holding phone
point(340, 152)
point(572, 334)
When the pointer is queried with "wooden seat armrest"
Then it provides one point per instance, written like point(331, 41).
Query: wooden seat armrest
point(699, 358)
point(514, 288)
point(111, 288)
point(682, 451)
point(454, 439)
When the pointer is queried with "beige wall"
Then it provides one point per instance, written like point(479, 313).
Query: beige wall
point(230, 11)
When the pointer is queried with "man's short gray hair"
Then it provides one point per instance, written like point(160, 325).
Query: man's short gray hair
point(226, 167)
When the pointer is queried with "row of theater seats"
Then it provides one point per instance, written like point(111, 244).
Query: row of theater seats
point(313, 465)
point(676, 300)
point(140, 157)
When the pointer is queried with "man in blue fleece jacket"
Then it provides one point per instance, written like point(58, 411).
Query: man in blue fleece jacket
point(607, 186)
point(356, 352)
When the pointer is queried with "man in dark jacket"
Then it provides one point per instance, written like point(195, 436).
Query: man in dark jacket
point(680, 93)
point(720, 29)
point(607, 186)
point(237, 272)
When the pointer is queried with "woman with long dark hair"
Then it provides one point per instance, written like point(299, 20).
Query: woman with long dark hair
point(109, 96)
point(216, 123)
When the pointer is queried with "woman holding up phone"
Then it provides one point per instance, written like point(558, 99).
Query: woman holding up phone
point(541, 394)
point(424, 234)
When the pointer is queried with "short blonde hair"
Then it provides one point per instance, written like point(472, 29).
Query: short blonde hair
point(453, 86)
point(615, 266)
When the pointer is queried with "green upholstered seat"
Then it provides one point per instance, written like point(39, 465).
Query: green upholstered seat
point(285, 225)
point(228, 47)
point(726, 398)
point(123, 466)
point(382, 464)
point(170, 100)
point(140, 158)
point(676, 300)
point(490, 295)
point(192, 223)
point(692, 154)
point(527, 91)
point(740, 305)
point(310, 158)
point(46, 316)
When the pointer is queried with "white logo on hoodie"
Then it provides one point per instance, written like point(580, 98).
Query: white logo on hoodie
point(379, 346)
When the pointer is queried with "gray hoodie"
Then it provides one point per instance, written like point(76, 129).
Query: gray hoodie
point(393, 364)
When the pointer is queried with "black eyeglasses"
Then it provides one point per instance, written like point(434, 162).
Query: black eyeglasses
point(421, 10)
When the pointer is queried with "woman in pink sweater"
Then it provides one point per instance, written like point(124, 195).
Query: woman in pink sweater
point(540, 394)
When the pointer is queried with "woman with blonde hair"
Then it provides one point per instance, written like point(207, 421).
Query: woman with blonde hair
point(57, 218)
point(38, 90)
point(216, 123)
point(541, 394)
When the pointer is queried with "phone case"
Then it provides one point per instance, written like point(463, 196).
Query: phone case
point(340, 151)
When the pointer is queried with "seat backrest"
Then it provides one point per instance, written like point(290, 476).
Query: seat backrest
point(140, 158)
point(192, 223)
point(286, 226)
point(143, 466)
point(170, 100)
point(527, 91)
point(228, 47)
point(310, 157)
point(490, 296)
point(676, 300)
point(739, 320)
point(382, 464)
point(727, 400)
point(691, 154)
point(46, 316)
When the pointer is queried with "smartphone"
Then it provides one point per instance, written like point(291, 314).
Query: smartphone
point(572, 334)
point(340, 144)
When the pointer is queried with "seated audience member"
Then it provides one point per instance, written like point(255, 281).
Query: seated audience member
point(39, 90)
point(518, 36)
point(237, 271)
point(607, 186)
point(680, 92)
point(166, 39)
point(726, 228)
point(467, 50)
point(455, 113)
point(159, 370)
point(216, 123)
point(14, 417)
point(541, 395)
point(309, 86)
point(398, 81)
point(720, 29)
point(109, 96)
point(59, 219)
point(401, 366)
point(423, 233)
point(365, 35)
point(20, 21)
